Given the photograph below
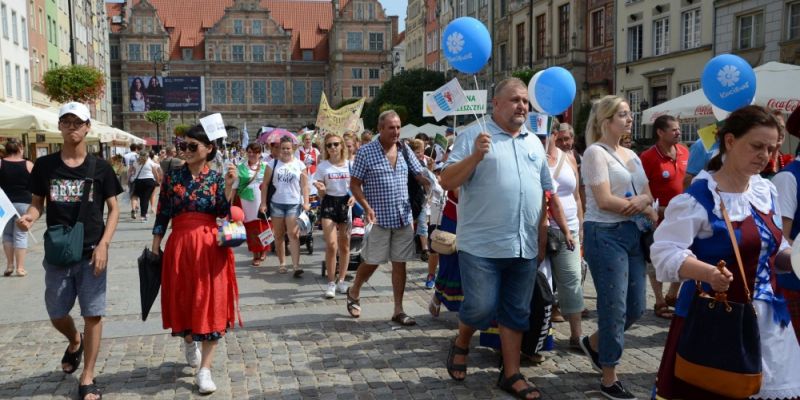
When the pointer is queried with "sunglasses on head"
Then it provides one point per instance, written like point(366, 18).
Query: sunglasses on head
point(189, 146)
point(332, 145)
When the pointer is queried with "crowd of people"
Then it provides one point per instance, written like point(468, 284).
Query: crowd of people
point(516, 202)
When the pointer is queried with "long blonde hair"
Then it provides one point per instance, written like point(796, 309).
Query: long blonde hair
point(343, 153)
point(602, 110)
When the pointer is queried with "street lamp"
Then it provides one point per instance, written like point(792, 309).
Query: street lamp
point(158, 57)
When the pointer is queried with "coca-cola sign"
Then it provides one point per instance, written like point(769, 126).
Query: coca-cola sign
point(703, 109)
point(787, 105)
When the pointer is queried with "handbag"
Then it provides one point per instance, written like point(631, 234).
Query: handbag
point(416, 192)
point(231, 233)
point(719, 349)
point(443, 242)
point(132, 184)
point(63, 244)
point(270, 187)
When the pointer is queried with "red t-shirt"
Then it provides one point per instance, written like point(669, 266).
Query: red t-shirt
point(665, 174)
point(450, 206)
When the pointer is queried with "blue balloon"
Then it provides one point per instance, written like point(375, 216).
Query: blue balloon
point(729, 82)
point(467, 45)
point(555, 90)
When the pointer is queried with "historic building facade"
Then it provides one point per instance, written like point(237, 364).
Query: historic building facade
point(758, 30)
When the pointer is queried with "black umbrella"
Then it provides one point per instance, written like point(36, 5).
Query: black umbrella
point(149, 279)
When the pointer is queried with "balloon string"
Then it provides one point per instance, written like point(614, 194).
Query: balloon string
point(483, 117)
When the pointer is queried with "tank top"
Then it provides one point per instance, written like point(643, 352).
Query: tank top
point(14, 180)
point(565, 184)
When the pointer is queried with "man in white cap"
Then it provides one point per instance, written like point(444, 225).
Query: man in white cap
point(62, 179)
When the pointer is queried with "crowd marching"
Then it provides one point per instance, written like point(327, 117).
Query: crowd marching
point(514, 204)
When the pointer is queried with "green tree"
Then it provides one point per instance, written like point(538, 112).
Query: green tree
point(404, 89)
point(401, 110)
point(180, 129)
point(157, 117)
point(74, 83)
point(525, 74)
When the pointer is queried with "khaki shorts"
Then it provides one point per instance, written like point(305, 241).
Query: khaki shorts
point(385, 244)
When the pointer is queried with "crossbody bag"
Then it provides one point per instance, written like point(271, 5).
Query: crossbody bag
point(63, 244)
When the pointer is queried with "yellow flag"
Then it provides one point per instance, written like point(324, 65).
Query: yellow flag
point(708, 136)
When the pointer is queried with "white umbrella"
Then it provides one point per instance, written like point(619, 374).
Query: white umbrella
point(777, 87)
point(409, 131)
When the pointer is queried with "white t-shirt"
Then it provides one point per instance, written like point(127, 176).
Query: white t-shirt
point(130, 158)
point(600, 166)
point(565, 184)
point(787, 200)
point(336, 179)
point(146, 170)
point(286, 179)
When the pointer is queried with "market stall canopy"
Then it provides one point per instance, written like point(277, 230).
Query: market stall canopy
point(776, 88)
point(18, 118)
point(409, 131)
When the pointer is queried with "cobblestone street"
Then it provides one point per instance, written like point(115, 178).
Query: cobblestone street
point(294, 344)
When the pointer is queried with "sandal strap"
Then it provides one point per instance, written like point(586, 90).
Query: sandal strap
point(460, 351)
point(511, 380)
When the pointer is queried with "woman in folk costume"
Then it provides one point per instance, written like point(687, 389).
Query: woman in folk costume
point(199, 293)
point(250, 175)
point(693, 238)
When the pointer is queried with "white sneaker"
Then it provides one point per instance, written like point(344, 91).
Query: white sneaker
point(342, 287)
point(204, 382)
point(193, 355)
point(330, 292)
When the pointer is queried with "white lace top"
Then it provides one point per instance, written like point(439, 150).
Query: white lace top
point(599, 166)
point(685, 219)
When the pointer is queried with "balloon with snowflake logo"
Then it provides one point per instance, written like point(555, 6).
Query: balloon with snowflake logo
point(728, 82)
point(467, 45)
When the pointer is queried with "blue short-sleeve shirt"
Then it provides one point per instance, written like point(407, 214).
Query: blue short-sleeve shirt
point(500, 204)
point(699, 157)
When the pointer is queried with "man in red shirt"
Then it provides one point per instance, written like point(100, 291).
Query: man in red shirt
point(665, 166)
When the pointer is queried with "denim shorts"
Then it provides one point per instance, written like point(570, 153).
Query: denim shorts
point(278, 210)
point(12, 234)
point(496, 288)
point(64, 284)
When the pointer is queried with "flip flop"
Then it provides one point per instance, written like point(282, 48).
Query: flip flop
point(282, 269)
point(404, 319)
point(73, 359)
point(353, 305)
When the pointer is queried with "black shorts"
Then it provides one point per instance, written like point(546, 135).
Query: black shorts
point(334, 208)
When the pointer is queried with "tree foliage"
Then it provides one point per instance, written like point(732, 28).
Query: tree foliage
point(157, 117)
point(404, 89)
point(180, 129)
point(401, 110)
point(525, 74)
point(80, 83)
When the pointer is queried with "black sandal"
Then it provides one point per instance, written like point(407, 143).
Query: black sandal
point(507, 384)
point(73, 359)
point(85, 390)
point(353, 305)
point(451, 365)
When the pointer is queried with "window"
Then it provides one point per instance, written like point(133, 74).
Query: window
point(4, 15)
point(255, 27)
point(237, 53)
point(541, 31)
point(259, 92)
point(134, 52)
point(794, 21)
point(598, 28)
point(316, 91)
point(186, 54)
point(148, 26)
point(355, 41)
point(359, 14)
point(374, 73)
point(41, 21)
point(9, 89)
point(520, 44)
point(634, 42)
point(373, 91)
point(258, 53)
point(18, 75)
point(24, 25)
point(299, 92)
point(237, 92)
point(278, 55)
point(35, 63)
point(661, 36)
point(376, 41)
point(356, 73)
point(751, 31)
point(14, 27)
point(116, 92)
point(308, 55)
point(689, 132)
point(563, 29)
point(219, 92)
point(503, 8)
point(238, 27)
point(27, 83)
point(277, 92)
point(113, 51)
point(690, 26)
point(155, 52)
point(356, 92)
point(371, 11)
point(503, 57)
point(634, 98)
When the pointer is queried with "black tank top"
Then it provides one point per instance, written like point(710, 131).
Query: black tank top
point(15, 181)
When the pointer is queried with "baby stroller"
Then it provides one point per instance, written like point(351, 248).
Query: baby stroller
point(306, 231)
point(357, 232)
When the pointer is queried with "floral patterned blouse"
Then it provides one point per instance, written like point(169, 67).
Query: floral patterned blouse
point(180, 193)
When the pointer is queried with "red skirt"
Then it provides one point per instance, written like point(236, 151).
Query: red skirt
point(199, 294)
point(254, 228)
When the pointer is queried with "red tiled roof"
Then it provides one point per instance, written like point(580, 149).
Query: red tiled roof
point(400, 37)
point(307, 20)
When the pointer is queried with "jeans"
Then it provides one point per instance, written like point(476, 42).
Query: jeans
point(618, 269)
point(500, 287)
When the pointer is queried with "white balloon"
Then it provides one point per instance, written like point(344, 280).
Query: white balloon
point(532, 92)
point(796, 257)
point(719, 113)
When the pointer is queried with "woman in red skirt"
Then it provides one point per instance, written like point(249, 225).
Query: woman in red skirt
point(199, 294)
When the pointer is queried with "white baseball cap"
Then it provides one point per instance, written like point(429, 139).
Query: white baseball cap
point(77, 109)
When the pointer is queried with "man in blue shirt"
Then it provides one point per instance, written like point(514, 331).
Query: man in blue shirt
point(698, 159)
point(503, 175)
point(379, 182)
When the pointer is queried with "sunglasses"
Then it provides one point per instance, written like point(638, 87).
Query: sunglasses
point(74, 124)
point(332, 145)
point(189, 146)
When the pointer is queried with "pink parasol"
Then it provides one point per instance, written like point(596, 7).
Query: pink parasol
point(276, 135)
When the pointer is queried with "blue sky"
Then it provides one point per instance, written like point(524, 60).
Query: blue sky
point(396, 7)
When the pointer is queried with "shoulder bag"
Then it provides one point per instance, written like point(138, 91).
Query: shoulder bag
point(719, 349)
point(443, 242)
point(416, 192)
point(270, 187)
point(63, 244)
point(132, 184)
